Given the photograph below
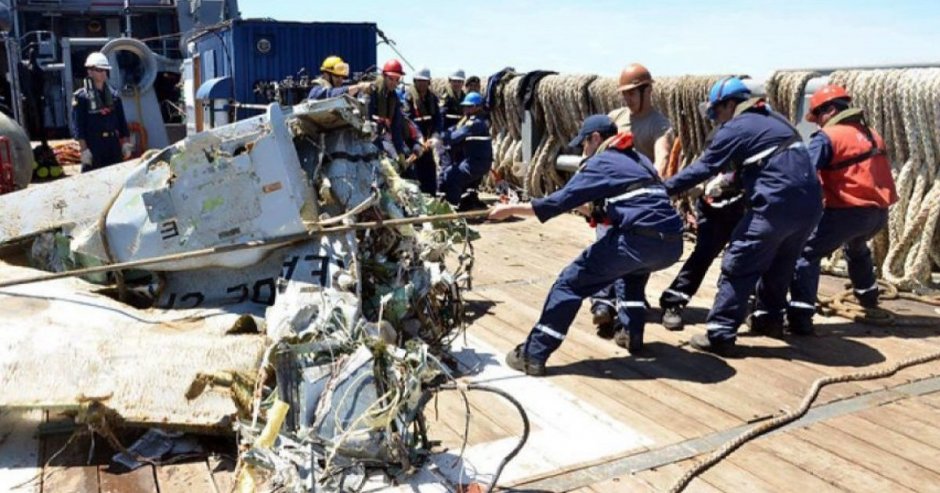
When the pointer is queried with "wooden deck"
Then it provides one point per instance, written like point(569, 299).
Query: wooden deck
point(605, 421)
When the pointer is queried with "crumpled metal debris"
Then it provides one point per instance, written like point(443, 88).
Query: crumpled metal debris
point(154, 445)
point(357, 322)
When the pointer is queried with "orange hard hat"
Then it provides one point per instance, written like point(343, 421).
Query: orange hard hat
point(393, 67)
point(825, 94)
point(633, 76)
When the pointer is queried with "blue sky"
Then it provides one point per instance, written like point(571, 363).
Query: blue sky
point(671, 37)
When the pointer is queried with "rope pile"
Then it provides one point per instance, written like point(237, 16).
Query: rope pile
point(506, 128)
point(563, 101)
point(678, 98)
point(785, 91)
point(845, 305)
point(903, 106)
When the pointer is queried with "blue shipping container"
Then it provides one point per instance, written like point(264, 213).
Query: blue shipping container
point(254, 50)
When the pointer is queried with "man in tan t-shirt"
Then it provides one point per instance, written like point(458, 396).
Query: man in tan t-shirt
point(652, 137)
point(652, 131)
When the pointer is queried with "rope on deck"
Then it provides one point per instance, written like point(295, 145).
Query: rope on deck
point(790, 417)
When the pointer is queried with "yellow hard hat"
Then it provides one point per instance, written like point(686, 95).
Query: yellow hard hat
point(335, 65)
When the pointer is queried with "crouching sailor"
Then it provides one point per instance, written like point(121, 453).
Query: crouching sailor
point(857, 190)
point(645, 236)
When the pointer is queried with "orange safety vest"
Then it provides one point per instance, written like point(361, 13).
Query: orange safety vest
point(859, 174)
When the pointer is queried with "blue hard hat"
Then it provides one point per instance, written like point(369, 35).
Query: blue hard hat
point(472, 99)
point(727, 88)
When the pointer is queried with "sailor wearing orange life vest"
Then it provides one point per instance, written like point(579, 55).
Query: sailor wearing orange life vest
point(857, 189)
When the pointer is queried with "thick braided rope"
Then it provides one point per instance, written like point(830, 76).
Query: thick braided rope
point(785, 92)
point(565, 101)
point(914, 217)
point(902, 106)
point(792, 416)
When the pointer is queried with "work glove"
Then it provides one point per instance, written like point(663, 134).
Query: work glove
point(127, 149)
point(86, 157)
point(716, 186)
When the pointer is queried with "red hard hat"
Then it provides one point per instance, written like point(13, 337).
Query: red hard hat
point(824, 95)
point(393, 67)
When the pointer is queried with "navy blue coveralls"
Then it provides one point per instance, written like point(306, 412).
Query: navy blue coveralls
point(715, 219)
point(715, 224)
point(472, 137)
point(385, 110)
point(100, 125)
point(849, 227)
point(426, 113)
point(323, 90)
point(784, 205)
point(645, 236)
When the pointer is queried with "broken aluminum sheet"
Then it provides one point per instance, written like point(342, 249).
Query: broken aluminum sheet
point(236, 183)
point(61, 203)
point(62, 344)
point(240, 183)
point(322, 261)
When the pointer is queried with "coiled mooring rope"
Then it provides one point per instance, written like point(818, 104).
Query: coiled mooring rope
point(785, 90)
point(563, 101)
point(904, 106)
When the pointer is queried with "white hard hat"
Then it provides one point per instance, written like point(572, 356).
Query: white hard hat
point(423, 74)
point(458, 74)
point(97, 60)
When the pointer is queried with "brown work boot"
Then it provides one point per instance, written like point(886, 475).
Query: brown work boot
point(632, 343)
point(519, 361)
point(672, 318)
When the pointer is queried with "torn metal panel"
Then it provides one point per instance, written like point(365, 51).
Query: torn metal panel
point(239, 184)
point(61, 203)
point(322, 261)
point(61, 344)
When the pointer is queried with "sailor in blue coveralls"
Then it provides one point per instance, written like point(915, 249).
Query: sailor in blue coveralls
point(717, 212)
point(784, 201)
point(98, 117)
point(645, 236)
point(472, 136)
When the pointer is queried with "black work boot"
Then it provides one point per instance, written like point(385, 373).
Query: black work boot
point(801, 326)
point(672, 318)
point(602, 314)
point(633, 343)
point(765, 326)
point(868, 300)
point(703, 343)
point(470, 202)
point(519, 361)
point(603, 318)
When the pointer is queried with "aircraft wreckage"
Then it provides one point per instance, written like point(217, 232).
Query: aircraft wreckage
point(250, 298)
